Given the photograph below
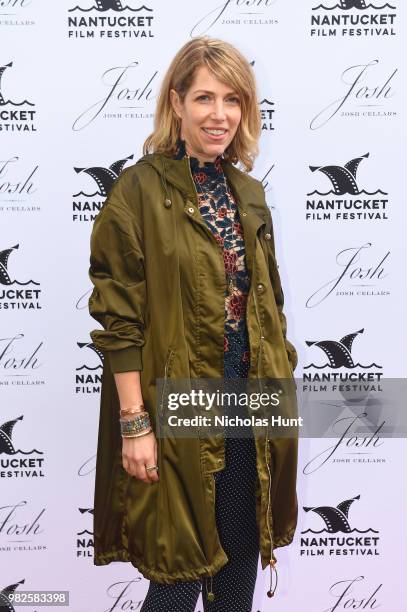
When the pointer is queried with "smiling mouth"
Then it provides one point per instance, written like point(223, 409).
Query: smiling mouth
point(215, 131)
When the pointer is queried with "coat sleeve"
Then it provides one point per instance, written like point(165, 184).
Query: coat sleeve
point(118, 299)
point(278, 291)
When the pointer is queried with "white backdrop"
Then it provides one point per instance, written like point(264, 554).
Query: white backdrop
point(78, 87)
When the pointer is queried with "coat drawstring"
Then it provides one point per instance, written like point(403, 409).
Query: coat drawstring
point(271, 591)
point(209, 594)
point(273, 560)
point(167, 201)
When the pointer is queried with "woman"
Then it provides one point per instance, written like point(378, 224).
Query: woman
point(186, 286)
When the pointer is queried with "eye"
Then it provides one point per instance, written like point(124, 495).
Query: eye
point(235, 100)
point(203, 96)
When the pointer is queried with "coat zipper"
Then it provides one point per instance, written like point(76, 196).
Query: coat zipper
point(272, 560)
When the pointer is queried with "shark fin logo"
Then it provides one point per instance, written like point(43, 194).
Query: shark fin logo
point(93, 348)
point(84, 538)
point(339, 353)
point(6, 443)
point(329, 541)
point(343, 178)
point(336, 519)
point(5, 603)
point(90, 511)
point(85, 206)
point(88, 378)
point(14, 119)
point(5, 278)
point(13, 466)
point(103, 177)
point(3, 101)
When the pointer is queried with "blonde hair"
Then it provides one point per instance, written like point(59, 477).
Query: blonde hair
point(230, 67)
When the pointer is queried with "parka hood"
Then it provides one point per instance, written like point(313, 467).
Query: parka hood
point(247, 189)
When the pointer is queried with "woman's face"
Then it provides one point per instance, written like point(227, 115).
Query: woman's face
point(210, 115)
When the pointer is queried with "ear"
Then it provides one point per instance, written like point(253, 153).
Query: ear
point(175, 102)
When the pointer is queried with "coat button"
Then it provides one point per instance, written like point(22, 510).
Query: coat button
point(244, 214)
point(167, 203)
point(260, 287)
point(267, 236)
point(191, 210)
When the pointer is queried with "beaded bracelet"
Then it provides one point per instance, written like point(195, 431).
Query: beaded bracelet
point(136, 425)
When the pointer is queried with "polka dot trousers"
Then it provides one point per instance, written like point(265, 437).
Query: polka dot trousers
point(235, 505)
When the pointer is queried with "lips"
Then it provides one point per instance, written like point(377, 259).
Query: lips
point(214, 137)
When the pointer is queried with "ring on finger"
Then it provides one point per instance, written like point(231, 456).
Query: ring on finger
point(152, 467)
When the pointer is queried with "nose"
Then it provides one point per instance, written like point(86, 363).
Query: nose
point(218, 110)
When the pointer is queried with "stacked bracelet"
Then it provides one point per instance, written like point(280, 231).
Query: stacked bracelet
point(137, 426)
point(137, 409)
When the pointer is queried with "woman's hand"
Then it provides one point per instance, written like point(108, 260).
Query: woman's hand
point(139, 453)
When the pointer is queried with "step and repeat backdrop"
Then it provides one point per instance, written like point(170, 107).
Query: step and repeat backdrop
point(78, 87)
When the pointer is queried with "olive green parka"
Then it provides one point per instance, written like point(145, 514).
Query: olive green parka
point(159, 294)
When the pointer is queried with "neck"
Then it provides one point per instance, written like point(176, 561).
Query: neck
point(199, 157)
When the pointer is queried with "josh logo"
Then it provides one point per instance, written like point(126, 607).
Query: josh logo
point(353, 19)
point(20, 528)
point(88, 378)
point(84, 537)
point(235, 13)
point(85, 206)
point(15, 115)
point(353, 594)
point(16, 13)
point(368, 91)
point(12, 297)
point(358, 204)
point(127, 95)
point(18, 186)
point(110, 19)
point(19, 365)
point(333, 534)
point(362, 273)
point(352, 444)
point(15, 462)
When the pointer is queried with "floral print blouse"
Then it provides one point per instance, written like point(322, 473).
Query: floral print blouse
point(218, 208)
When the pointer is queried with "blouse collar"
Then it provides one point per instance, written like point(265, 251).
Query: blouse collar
point(210, 168)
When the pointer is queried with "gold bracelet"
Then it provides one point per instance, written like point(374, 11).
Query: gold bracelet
point(132, 410)
point(143, 433)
